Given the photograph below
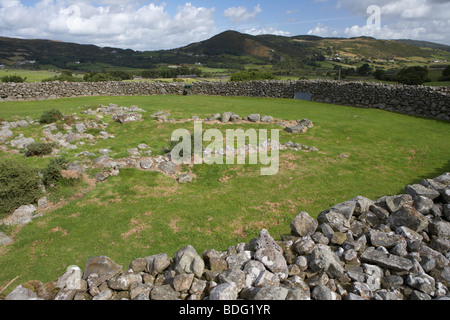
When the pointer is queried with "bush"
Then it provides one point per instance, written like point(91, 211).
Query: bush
point(249, 75)
point(39, 149)
point(413, 75)
point(16, 79)
point(19, 185)
point(63, 77)
point(445, 74)
point(51, 174)
point(50, 116)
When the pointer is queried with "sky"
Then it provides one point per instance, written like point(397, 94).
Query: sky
point(157, 24)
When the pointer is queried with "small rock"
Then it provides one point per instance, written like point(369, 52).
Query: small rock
point(146, 164)
point(185, 178)
point(168, 167)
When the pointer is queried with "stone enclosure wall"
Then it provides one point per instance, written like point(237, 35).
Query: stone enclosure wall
point(422, 101)
point(394, 248)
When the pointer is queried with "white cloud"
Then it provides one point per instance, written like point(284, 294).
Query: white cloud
point(111, 23)
point(267, 30)
point(411, 19)
point(322, 30)
point(241, 14)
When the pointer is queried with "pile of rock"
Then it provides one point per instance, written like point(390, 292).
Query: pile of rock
point(140, 158)
point(226, 117)
point(301, 126)
point(118, 114)
point(394, 248)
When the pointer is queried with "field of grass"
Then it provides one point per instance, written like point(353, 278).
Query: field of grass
point(141, 213)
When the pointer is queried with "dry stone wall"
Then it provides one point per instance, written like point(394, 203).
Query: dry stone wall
point(423, 101)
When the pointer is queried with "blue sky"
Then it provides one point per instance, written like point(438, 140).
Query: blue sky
point(158, 24)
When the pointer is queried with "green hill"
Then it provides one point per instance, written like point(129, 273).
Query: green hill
point(228, 50)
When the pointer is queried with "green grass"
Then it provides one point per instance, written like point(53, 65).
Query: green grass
point(138, 213)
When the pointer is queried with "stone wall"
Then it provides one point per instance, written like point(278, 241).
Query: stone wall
point(423, 101)
point(392, 248)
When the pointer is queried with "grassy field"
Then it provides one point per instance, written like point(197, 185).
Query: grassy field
point(141, 213)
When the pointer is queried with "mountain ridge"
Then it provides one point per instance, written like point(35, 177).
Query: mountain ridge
point(229, 47)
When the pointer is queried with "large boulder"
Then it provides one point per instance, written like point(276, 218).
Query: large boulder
point(102, 268)
point(187, 260)
point(21, 216)
point(298, 128)
point(409, 217)
point(254, 117)
point(303, 225)
point(156, 263)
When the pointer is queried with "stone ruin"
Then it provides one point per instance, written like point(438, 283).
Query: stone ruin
point(393, 248)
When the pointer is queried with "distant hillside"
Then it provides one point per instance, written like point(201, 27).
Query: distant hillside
point(425, 44)
point(63, 54)
point(230, 50)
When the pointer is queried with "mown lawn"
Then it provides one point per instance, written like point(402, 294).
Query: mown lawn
point(140, 213)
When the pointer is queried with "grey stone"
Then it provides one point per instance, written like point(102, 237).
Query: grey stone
point(304, 245)
point(4, 239)
point(164, 292)
point(234, 275)
point(267, 119)
point(439, 229)
point(269, 293)
point(238, 260)
point(157, 263)
point(127, 117)
point(380, 238)
point(386, 260)
point(42, 203)
point(253, 270)
point(419, 190)
point(103, 267)
point(409, 217)
point(182, 282)
point(422, 282)
point(133, 151)
point(185, 178)
point(335, 219)
point(224, 291)
point(80, 127)
point(146, 164)
point(380, 212)
point(299, 128)
point(394, 203)
point(273, 260)
point(322, 259)
point(362, 204)
point(101, 176)
point(22, 216)
point(21, 293)
point(346, 208)
point(104, 151)
point(265, 240)
point(123, 281)
point(254, 117)
point(6, 133)
point(323, 293)
point(226, 116)
point(72, 279)
point(21, 142)
point(22, 123)
point(303, 225)
point(187, 260)
point(168, 167)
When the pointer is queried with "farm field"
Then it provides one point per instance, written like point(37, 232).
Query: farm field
point(139, 213)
